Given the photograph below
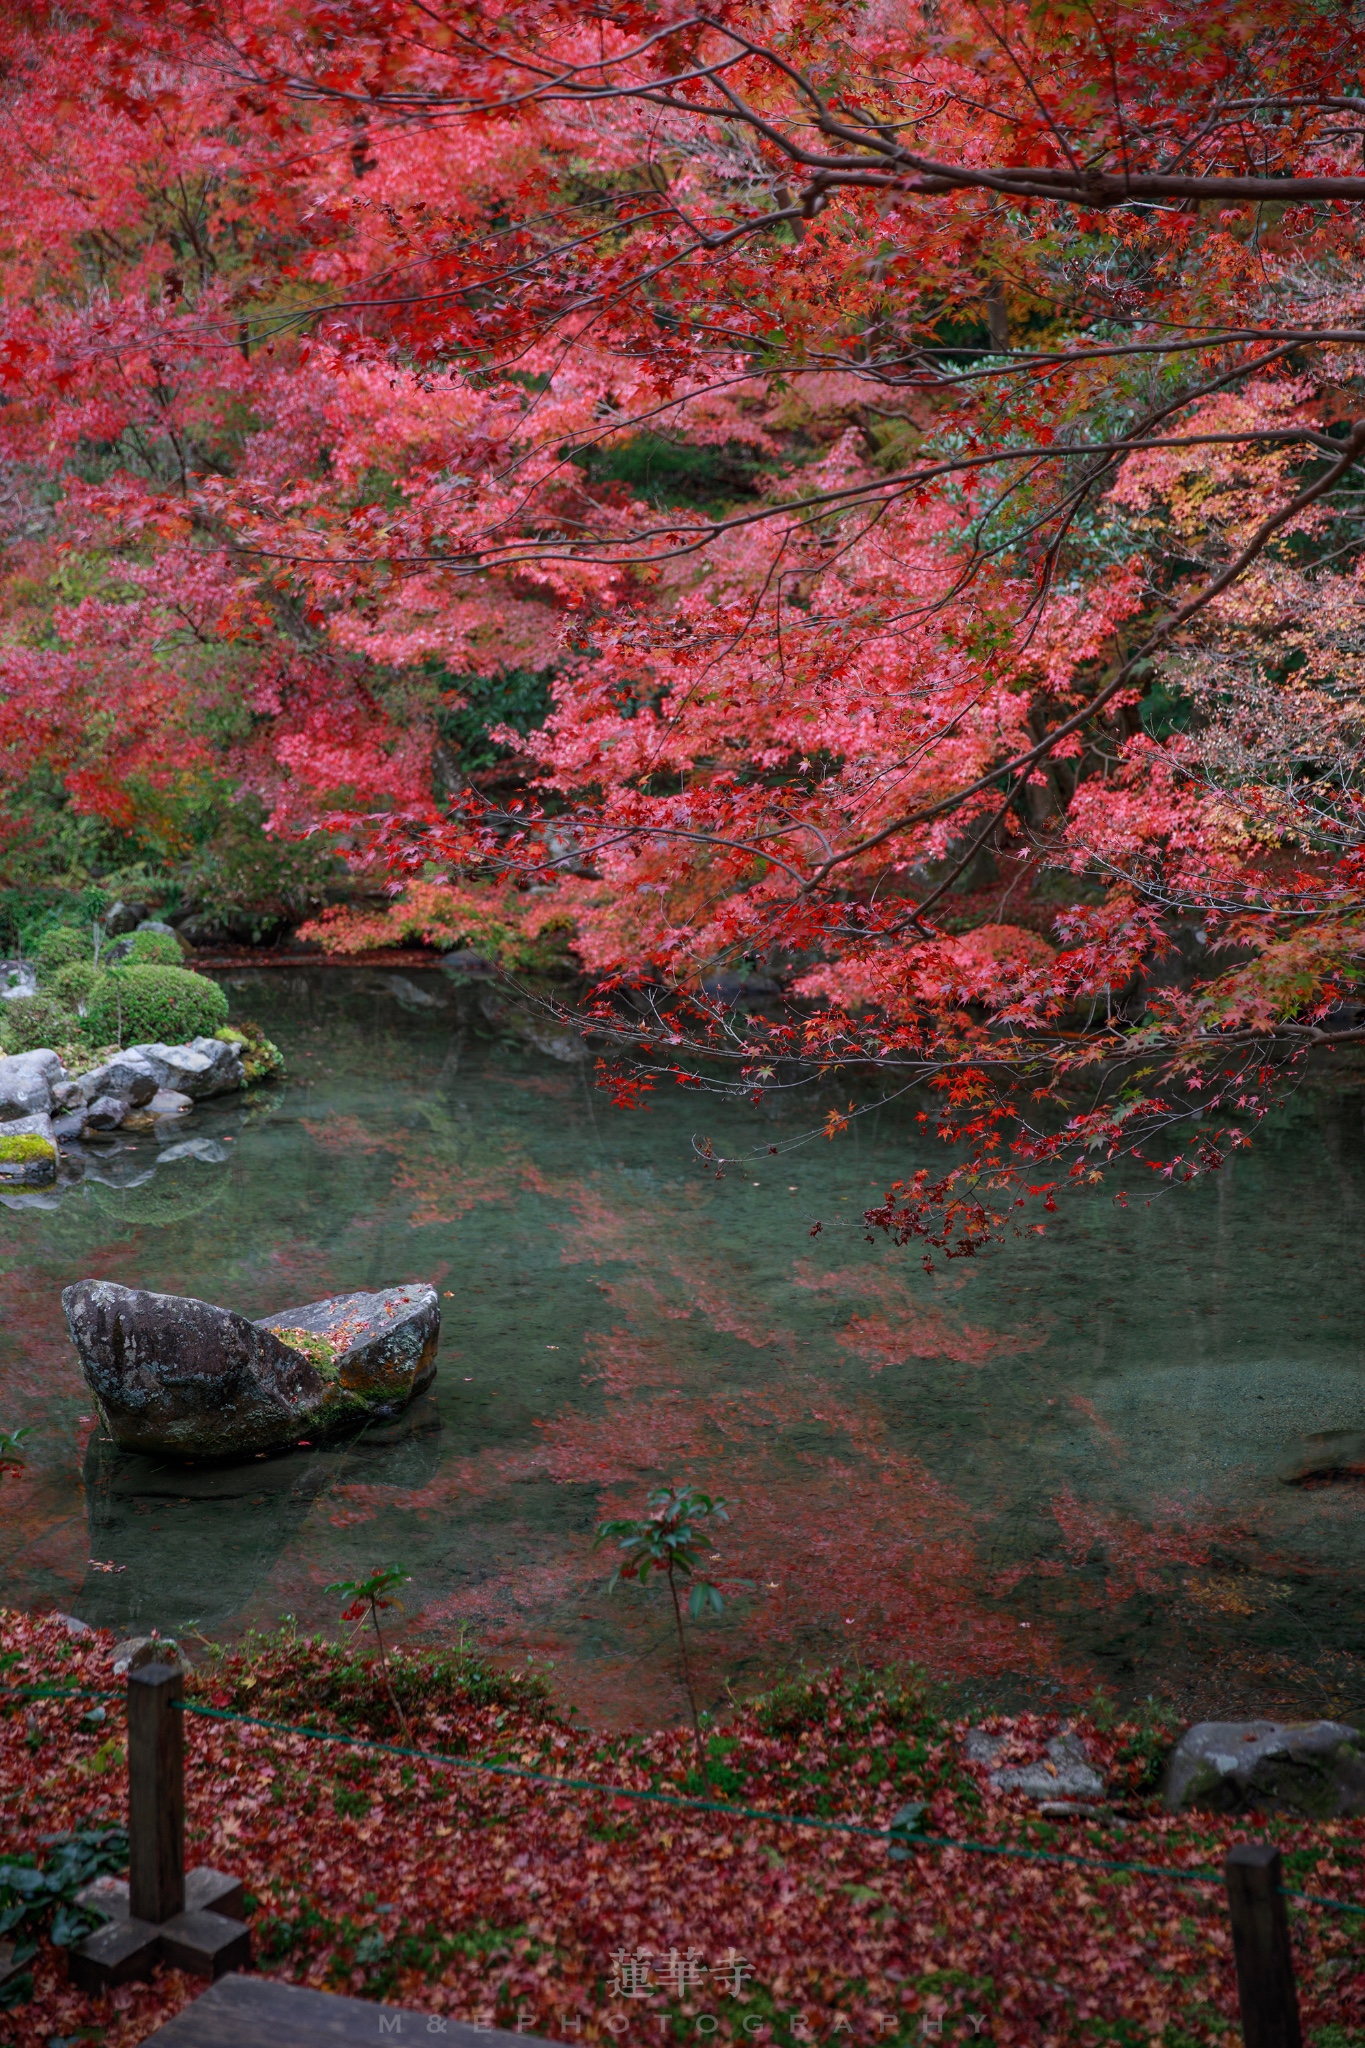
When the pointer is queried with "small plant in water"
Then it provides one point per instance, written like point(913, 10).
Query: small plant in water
point(366, 1597)
point(12, 1449)
point(669, 1540)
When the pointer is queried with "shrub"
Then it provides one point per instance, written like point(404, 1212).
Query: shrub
point(154, 949)
point(138, 1005)
point(262, 1060)
point(72, 984)
point(28, 1022)
point(59, 946)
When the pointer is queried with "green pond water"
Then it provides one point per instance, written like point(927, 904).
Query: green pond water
point(1060, 1465)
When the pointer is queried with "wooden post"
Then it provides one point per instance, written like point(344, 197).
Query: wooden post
point(156, 1793)
point(1260, 1943)
point(193, 1920)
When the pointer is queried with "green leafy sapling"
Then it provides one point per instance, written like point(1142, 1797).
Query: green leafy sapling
point(366, 1598)
point(12, 1449)
point(669, 1540)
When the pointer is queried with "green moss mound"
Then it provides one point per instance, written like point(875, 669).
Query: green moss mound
point(72, 984)
point(59, 946)
point(29, 1022)
point(138, 1005)
point(262, 1060)
point(28, 1146)
point(154, 949)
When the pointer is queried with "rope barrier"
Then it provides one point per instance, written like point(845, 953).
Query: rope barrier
point(899, 1836)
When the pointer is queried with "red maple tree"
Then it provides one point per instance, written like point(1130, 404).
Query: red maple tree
point(922, 441)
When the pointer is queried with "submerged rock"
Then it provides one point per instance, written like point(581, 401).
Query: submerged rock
point(1328, 1454)
point(184, 1378)
point(1310, 1767)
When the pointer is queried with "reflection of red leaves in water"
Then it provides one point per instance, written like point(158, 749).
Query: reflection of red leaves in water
point(347, 1134)
point(443, 1189)
point(1110, 1438)
point(1136, 1558)
point(920, 1330)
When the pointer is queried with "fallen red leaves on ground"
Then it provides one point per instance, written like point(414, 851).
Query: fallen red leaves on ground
point(586, 1917)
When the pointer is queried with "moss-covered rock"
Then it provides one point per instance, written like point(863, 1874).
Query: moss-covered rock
point(262, 1059)
point(28, 1152)
point(182, 1378)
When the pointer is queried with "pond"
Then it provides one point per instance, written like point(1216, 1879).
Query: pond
point(1061, 1465)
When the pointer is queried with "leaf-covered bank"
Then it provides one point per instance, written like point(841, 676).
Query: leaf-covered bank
point(587, 1917)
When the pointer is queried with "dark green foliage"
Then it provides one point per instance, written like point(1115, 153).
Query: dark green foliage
point(72, 984)
point(665, 472)
point(250, 884)
point(28, 1022)
point(27, 910)
point(59, 946)
point(35, 1901)
point(135, 1005)
point(515, 697)
point(154, 949)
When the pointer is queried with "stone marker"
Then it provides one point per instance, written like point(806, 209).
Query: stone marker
point(183, 1378)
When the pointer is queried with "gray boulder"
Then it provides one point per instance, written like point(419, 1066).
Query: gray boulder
point(105, 1113)
point(28, 1152)
point(169, 1102)
point(27, 1080)
point(207, 1066)
point(183, 1378)
point(1310, 1767)
point(127, 1076)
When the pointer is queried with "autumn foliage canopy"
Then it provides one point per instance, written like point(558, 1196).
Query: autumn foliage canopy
point(916, 444)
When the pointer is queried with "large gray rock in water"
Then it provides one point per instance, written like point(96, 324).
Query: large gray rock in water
point(206, 1066)
point(1310, 1767)
point(179, 1377)
point(28, 1152)
point(27, 1080)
